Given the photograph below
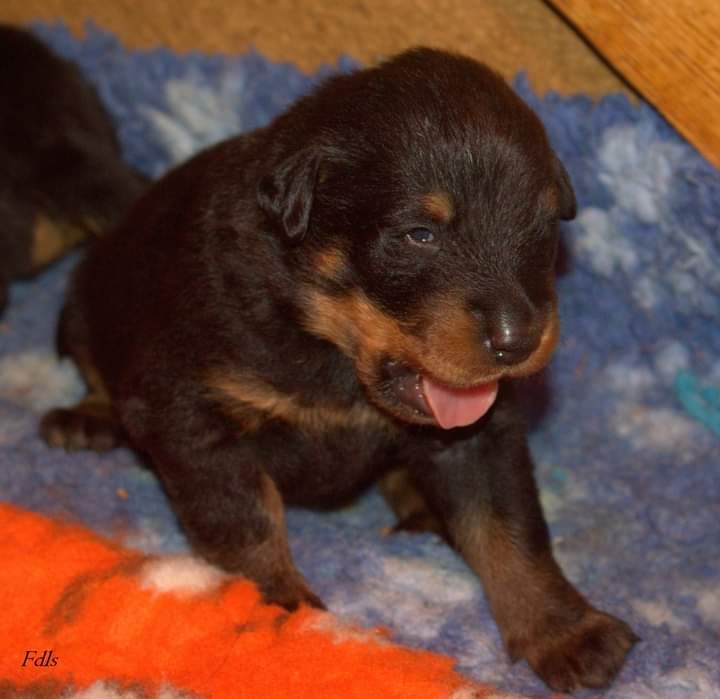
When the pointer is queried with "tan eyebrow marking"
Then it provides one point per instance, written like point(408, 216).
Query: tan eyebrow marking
point(439, 205)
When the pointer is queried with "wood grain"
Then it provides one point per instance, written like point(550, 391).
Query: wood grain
point(510, 35)
point(669, 50)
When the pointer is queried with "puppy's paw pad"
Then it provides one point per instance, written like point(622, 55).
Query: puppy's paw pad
point(80, 427)
point(589, 653)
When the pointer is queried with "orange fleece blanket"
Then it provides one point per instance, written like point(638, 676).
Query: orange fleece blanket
point(84, 617)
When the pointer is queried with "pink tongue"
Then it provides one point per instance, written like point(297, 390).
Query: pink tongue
point(457, 407)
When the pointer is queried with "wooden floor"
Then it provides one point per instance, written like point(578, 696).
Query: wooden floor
point(670, 52)
point(508, 34)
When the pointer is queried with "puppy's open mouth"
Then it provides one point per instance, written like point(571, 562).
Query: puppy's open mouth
point(448, 406)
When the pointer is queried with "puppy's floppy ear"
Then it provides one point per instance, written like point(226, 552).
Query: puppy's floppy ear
point(568, 203)
point(286, 193)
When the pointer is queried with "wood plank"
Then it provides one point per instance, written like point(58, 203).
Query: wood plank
point(669, 50)
point(510, 35)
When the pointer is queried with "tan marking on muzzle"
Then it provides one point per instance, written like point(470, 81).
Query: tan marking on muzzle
point(541, 356)
point(453, 329)
point(452, 343)
point(357, 326)
point(252, 401)
point(446, 348)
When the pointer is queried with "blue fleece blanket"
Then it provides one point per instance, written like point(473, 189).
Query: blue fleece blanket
point(626, 428)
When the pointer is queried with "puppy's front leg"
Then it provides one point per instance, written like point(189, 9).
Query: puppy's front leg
point(482, 486)
point(230, 509)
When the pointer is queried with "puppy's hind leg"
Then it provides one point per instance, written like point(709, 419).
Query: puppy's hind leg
point(91, 423)
point(409, 505)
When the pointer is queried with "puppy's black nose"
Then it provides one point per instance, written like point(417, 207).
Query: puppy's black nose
point(510, 346)
point(510, 334)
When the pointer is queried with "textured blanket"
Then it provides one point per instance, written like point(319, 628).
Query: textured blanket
point(95, 621)
point(626, 423)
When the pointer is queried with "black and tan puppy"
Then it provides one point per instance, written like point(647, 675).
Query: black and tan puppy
point(62, 177)
point(296, 311)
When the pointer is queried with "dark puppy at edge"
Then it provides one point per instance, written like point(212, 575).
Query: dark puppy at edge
point(301, 309)
point(62, 177)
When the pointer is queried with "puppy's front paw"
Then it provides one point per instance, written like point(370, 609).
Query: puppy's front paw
point(588, 653)
point(290, 594)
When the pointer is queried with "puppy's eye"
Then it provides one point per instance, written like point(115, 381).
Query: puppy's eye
point(420, 236)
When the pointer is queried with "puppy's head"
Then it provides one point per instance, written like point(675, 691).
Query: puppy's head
point(420, 201)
